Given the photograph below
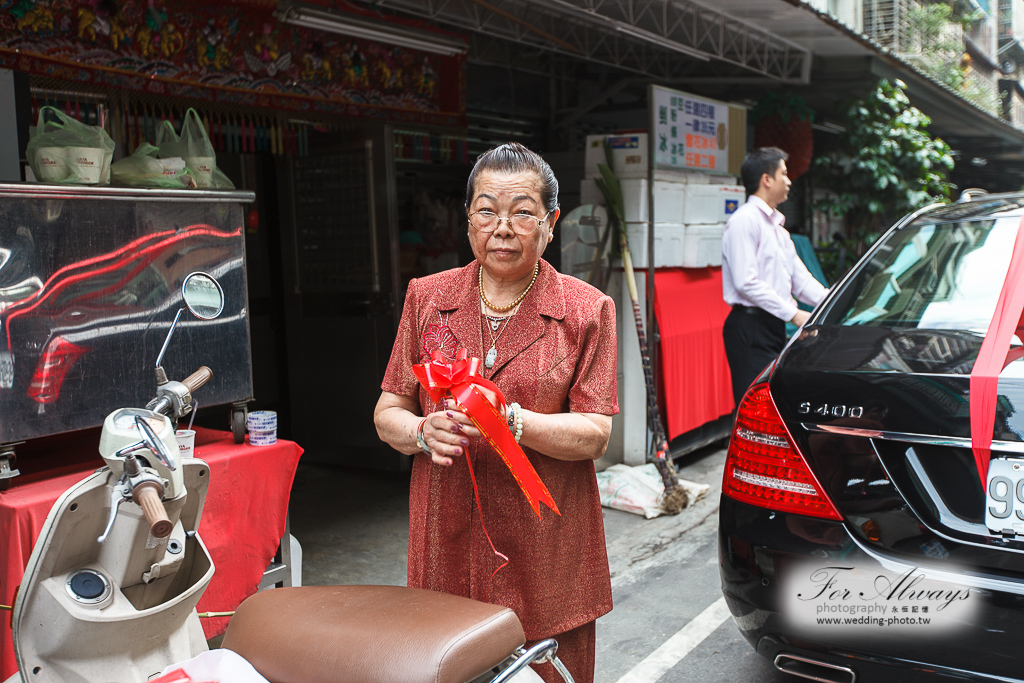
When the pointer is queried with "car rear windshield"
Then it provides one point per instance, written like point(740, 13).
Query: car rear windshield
point(934, 276)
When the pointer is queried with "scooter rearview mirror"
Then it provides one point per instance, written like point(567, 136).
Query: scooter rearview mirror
point(203, 295)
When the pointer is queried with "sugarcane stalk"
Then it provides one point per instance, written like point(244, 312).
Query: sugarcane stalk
point(675, 497)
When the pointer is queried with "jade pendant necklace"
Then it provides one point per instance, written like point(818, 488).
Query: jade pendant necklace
point(496, 321)
point(492, 353)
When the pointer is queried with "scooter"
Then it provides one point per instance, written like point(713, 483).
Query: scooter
point(112, 583)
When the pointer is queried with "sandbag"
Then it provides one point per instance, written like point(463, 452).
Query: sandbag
point(64, 150)
point(640, 489)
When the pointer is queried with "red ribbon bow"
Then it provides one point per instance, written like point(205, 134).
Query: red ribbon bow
point(461, 379)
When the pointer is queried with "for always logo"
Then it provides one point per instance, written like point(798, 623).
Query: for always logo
point(848, 597)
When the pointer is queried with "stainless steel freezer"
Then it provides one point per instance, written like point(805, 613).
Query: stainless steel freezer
point(90, 281)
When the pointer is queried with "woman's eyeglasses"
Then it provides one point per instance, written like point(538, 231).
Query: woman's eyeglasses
point(520, 223)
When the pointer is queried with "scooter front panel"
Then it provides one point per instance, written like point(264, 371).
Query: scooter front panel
point(135, 629)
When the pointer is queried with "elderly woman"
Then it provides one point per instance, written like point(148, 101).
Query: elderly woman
point(548, 342)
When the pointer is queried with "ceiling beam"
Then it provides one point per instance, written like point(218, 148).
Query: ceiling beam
point(659, 39)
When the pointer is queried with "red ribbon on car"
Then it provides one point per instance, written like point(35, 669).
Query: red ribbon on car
point(994, 355)
point(462, 380)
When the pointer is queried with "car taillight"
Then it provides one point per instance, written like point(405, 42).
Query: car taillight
point(52, 368)
point(764, 467)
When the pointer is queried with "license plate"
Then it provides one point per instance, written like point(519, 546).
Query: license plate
point(1004, 500)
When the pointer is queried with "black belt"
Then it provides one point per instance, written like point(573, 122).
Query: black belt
point(752, 310)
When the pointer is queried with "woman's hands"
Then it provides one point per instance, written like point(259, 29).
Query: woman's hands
point(563, 436)
point(446, 433)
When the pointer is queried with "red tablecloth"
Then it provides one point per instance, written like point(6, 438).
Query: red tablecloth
point(694, 371)
point(242, 523)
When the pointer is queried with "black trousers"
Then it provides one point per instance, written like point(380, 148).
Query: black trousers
point(753, 339)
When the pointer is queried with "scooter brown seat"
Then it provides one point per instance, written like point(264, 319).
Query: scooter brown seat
point(371, 634)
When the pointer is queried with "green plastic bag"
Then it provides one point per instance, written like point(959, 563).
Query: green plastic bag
point(144, 169)
point(193, 145)
point(68, 151)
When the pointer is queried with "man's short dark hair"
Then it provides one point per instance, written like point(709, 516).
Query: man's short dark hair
point(758, 162)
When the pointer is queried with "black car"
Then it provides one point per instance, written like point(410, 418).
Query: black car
point(857, 540)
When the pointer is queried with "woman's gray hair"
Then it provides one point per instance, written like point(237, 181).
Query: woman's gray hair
point(511, 158)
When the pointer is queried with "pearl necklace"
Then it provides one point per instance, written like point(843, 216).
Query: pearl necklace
point(502, 309)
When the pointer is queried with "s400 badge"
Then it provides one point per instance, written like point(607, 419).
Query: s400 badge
point(830, 410)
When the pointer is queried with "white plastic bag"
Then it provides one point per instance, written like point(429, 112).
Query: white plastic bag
point(640, 489)
point(64, 150)
point(193, 145)
point(144, 169)
point(217, 666)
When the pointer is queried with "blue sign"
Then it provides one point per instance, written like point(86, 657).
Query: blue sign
point(624, 142)
point(731, 205)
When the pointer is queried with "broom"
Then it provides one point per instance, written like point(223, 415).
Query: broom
point(675, 498)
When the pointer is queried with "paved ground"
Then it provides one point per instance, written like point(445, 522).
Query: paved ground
point(669, 621)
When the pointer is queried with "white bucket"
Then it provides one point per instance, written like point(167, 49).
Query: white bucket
point(85, 163)
point(202, 169)
point(51, 165)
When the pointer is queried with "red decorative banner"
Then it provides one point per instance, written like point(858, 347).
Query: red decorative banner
point(994, 356)
point(461, 380)
point(235, 53)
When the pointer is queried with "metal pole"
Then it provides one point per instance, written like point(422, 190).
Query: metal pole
point(652, 327)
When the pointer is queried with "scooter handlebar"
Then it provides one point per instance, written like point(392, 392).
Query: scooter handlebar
point(147, 496)
point(197, 378)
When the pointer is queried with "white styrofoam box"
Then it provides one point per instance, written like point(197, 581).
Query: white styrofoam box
point(711, 203)
point(634, 199)
point(668, 200)
point(589, 194)
point(629, 155)
point(702, 245)
point(690, 177)
point(669, 244)
point(636, 235)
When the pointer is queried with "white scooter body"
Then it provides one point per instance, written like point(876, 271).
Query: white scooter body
point(134, 613)
point(133, 610)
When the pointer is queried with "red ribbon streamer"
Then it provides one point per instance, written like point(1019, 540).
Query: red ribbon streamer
point(462, 380)
point(994, 356)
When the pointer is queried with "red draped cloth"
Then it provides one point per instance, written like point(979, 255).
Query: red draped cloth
point(695, 376)
point(242, 523)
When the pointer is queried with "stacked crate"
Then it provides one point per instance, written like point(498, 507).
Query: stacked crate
point(690, 209)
